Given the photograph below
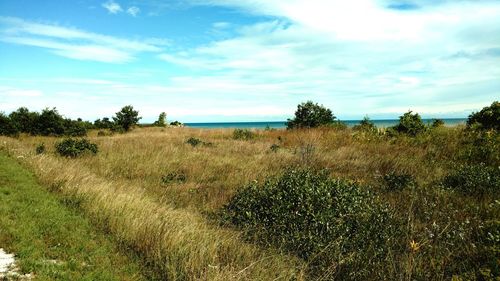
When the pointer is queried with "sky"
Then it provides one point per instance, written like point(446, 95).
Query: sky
point(249, 60)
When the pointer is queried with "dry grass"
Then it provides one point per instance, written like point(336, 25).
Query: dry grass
point(121, 188)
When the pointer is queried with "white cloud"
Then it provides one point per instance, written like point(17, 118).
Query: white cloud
point(133, 11)
point(112, 7)
point(74, 43)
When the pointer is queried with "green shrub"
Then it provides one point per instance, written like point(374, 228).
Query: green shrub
point(397, 182)
point(478, 147)
point(74, 148)
point(410, 124)
point(243, 134)
point(475, 180)
point(366, 125)
point(40, 148)
point(7, 127)
point(436, 123)
point(194, 141)
point(173, 177)
point(310, 115)
point(126, 118)
point(486, 119)
point(325, 221)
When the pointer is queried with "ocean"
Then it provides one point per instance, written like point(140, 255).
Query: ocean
point(282, 124)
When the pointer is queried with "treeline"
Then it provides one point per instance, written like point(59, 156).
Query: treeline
point(50, 122)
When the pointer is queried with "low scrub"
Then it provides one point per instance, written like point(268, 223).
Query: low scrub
point(173, 177)
point(396, 182)
point(337, 226)
point(243, 134)
point(73, 148)
point(196, 142)
point(475, 180)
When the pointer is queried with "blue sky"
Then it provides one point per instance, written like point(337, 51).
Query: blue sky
point(249, 60)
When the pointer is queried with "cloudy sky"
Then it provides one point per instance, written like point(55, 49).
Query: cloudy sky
point(249, 60)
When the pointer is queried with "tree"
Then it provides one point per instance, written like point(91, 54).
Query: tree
point(436, 123)
point(486, 119)
point(24, 120)
point(311, 115)
point(410, 124)
point(126, 118)
point(105, 123)
point(7, 127)
point(365, 125)
point(50, 123)
point(162, 120)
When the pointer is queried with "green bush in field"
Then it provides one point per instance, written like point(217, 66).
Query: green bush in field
point(194, 141)
point(397, 182)
point(476, 180)
point(310, 115)
point(40, 148)
point(486, 119)
point(436, 123)
point(480, 147)
point(7, 127)
point(365, 125)
point(325, 221)
point(126, 118)
point(243, 134)
point(410, 124)
point(74, 148)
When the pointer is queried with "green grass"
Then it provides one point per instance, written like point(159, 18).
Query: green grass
point(51, 240)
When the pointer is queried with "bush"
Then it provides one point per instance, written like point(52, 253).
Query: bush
point(173, 177)
point(397, 182)
point(480, 147)
point(74, 148)
point(176, 124)
point(243, 134)
point(310, 115)
point(126, 118)
point(50, 123)
point(274, 148)
point(410, 124)
point(475, 180)
point(486, 119)
point(162, 120)
point(24, 120)
point(366, 125)
point(436, 123)
point(194, 141)
point(7, 128)
point(324, 221)
point(40, 149)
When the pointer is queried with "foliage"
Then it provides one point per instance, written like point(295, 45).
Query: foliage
point(40, 148)
point(324, 221)
point(478, 147)
point(74, 148)
point(75, 128)
point(310, 115)
point(475, 180)
point(396, 182)
point(24, 120)
point(162, 120)
point(50, 123)
point(486, 119)
point(436, 123)
point(274, 147)
point(194, 141)
point(105, 123)
point(410, 124)
point(126, 118)
point(365, 125)
point(7, 128)
point(176, 124)
point(243, 134)
point(173, 177)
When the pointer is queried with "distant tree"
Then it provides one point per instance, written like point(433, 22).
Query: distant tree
point(7, 127)
point(24, 120)
point(176, 124)
point(74, 128)
point(162, 120)
point(436, 123)
point(365, 125)
point(126, 118)
point(486, 119)
point(311, 115)
point(105, 123)
point(410, 124)
point(50, 123)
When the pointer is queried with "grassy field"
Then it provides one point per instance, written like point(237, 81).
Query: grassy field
point(52, 242)
point(159, 196)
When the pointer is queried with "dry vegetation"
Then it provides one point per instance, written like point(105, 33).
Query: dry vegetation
point(169, 220)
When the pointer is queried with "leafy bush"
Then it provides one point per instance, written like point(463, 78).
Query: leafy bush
point(410, 124)
point(396, 182)
point(173, 177)
point(7, 128)
point(176, 124)
point(40, 148)
point(126, 118)
point(480, 147)
point(24, 120)
point(105, 123)
point(74, 128)
point(243, 134)
point(74, 148)
point(162, 120)
point(365, 125)
point(486, 119)
point(475, 180)
point(310, 115)
point(194, 141)
point(436, 123)
point(328, 222)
